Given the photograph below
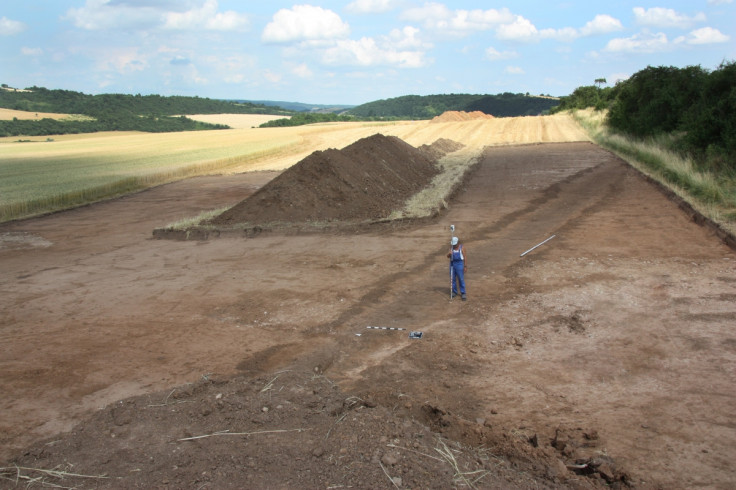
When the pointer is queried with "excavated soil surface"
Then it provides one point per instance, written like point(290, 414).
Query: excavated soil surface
point(606, 356)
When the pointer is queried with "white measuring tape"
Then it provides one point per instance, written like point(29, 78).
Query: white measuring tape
point(386, 328)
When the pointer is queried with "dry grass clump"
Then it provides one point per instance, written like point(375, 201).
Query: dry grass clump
point(434, 197)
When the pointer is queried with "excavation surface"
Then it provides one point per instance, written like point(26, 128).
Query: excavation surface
point(248, 362)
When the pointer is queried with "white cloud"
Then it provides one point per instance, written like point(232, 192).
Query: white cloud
point(206, 17)
point(521, 29)
point(705, 35)
point(302, 71)
point(514, 70)
point(601, 24)
point(31, 51)
point(271, 76)
point(639, 43)
point(9, 27)
point(566, 34)
point(140, 15)
point(103, 15)
point(304, 23)
point(719, 2)
point(406, 38)
point(662, 18)
point(437, 17)
point(122, 60)
point(367, 52)
point(371, 6)
point(494, 55)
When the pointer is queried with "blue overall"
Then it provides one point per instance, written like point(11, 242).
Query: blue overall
point(457, 263)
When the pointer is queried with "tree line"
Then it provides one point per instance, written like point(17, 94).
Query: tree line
point(429, 106)
point(696, 107)
point(115, 112)
point(303, 118)
point(150, 124)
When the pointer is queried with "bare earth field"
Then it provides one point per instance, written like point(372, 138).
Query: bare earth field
point(605, 356)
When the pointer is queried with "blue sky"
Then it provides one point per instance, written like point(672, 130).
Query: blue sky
point(352, 52)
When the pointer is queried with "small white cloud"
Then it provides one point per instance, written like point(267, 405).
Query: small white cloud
point(302, 71)
point(271, 76)
point(304, 23)
point(663, 18)
point(122, 60)
point(9, 27)
point(494, 55)
point(437, 17)
point(31, 51)
point(639, 43)
point(706, 35)
point(371, 6)
point(601, 24)
point(146, 14)
point(521, 29)
point(206, 17)
point(406, 38)
point(103, 15)
point(367, 52)
point(566, 34)
point(514, 70)
point(719, 2)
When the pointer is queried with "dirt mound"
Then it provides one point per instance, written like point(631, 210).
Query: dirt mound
point(365, 180)
point(456, 116)
point(288, 430)
point(440, 148)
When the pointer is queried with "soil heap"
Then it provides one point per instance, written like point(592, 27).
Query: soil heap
point(365, 180)
point(440, 148)
point(456, 116)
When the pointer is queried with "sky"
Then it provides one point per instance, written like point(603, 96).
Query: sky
point(352, 52)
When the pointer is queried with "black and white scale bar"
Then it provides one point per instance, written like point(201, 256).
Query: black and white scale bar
point(386, 328)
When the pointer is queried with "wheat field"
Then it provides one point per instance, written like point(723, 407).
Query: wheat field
point(40, 176)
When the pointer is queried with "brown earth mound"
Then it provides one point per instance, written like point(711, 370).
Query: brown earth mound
point(365, 180)
point(455, 116)
point(440, 148)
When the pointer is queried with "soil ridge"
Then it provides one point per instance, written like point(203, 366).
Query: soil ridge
point(366, 180)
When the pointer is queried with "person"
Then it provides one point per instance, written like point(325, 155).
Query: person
point(458, 266)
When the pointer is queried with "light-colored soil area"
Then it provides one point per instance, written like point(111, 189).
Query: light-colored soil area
point(9, 114)
point(614, 341)
point(236, 121)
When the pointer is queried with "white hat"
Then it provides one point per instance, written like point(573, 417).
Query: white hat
point(454, 241)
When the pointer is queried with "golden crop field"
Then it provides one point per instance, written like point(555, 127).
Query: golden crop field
point(10, 114)
point(41, 176)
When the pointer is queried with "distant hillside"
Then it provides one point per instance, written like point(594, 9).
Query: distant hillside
point(114, 112)
point(40, 99)
point(301, 107)
point(429, 106)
